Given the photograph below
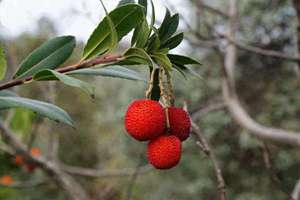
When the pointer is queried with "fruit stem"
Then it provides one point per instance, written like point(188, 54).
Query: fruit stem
point(164, 96)
point(150, 85)
point(170, 89)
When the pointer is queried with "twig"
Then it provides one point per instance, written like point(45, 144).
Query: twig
point(81, 65)
point(25, 184)
point(104, 173)
point(238, 112)
point(296, 192)
point(270, 169)
point(66, 182)
point(205, 147)
point(259, 51)
point(207, 150)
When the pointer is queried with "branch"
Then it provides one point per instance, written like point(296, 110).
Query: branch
point(66, 182)
point(238, 112)
point(203, 144)
point(81, 65)
point(205, 147)
point(296, 191)
point(259, 51)
point(105, 173)
point(25, 184)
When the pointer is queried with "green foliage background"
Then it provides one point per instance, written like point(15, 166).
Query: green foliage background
point(268, 87)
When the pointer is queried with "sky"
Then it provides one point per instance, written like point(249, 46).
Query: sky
point(71, 17)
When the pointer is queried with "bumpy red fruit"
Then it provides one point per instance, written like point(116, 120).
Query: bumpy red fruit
point(164, 152)
point(145, 120)
point(180, 123)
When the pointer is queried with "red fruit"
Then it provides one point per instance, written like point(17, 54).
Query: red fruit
point(30, 167)
point(180, 123)
point(145, 120)
point(6, 180)
point(19, 160)
point(35, 152)
point(164, 152)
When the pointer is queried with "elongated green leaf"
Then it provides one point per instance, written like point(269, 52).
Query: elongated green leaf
point(48, 56)
point(182, 60)
point(162, 60)
point(186, 70)
point(123, 2)
point(145, 4)
point(113, 31)
point(141, 34)
point(7, 93)
point(47, 75)
point(113, 71)
point(45, 109)
point(124, 18)
point(168, 28)
point(3, 64)
point(153, 43)
point(173, 42)
point(152, 17)
point(138, 56)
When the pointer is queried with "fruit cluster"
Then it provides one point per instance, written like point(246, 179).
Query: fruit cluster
point(19, 160)
point(165, 129)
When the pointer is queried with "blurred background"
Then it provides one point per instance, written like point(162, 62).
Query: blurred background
point(269, 89)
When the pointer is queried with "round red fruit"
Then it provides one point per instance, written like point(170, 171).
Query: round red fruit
point(164, 152)
point(180, 123)
point(145, 120)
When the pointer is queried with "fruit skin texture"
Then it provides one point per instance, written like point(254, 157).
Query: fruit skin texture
point(145, 120)
point(180, 123)
point(164, 152)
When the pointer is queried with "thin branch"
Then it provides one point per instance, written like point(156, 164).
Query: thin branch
point(238, 112)
point(205, 147)
point(105, 173)
point(259, 51)
point(296, 192)
point(66, 182)
point(81, 65)
point(207, 150)
point(25, 184)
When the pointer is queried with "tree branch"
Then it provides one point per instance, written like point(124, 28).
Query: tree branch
point(238, 112)
point(81, 65)
point(105, 173)
point(67, 183)
point(205, 147)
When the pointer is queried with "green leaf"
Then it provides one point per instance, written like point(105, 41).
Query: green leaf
point(141, 34)
point(45, 109)
point(173, 42)
point(144, 3)
point(168, 27)
point(21, 121)
point(186, 70)
point(113, 71)
point(155, 93)
point(153, 43)
point(162, 60)
point(47, 75)
point(138, 56)
point(124, 18)
point(7, 93)
point(48, 56)
point(182, 60)
point(3, 64)
point(113, 31)
point(123, 2)
point(152, 17)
